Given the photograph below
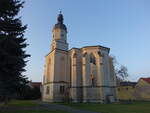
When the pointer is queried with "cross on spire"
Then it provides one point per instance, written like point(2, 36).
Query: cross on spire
point(60, 17)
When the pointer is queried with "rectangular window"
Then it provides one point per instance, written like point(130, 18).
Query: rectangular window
point(62, 89)
point(47, 90)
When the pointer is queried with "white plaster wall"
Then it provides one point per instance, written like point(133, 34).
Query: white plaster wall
point(48, 97)
point(57, 96)
point(60, 66)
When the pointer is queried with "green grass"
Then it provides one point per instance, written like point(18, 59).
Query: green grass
point(135, 107)
point(22, 103)
point(33, 111)
point(26, 106)
point(17, 106)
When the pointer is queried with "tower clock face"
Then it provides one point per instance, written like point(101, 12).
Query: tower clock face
point(56, 34)
point(62, 35)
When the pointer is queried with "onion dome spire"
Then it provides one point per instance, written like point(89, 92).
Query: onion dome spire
point(60, 18)
point(59, 23)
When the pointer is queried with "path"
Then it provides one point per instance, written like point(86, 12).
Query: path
point(68, 109)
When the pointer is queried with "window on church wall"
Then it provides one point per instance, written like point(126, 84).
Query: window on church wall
point(93, 69)
point(74, 59)
point(47, 90)
point(84, 55)
point(74, 55)
point(92, 59)
point(99, 53)
point(62, 89)
point(92, 79)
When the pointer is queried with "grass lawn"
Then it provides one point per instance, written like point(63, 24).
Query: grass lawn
point(135, 107)
point(33, 111)
point(22, 103)
point(26, 106)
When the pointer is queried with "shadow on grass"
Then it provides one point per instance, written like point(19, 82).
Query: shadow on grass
point(132, 107)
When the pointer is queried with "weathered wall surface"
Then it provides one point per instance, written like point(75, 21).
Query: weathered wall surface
point(141, 91)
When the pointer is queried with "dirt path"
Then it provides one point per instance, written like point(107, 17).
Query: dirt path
point(63, 108)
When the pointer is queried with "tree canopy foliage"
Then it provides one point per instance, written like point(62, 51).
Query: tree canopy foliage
point(12, 49)
point(121, 71)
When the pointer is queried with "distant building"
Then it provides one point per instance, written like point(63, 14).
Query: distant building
point(80, 74)
point(134, 91)
point(125, 90)
point(35, 84)
point(142, 89)
point(34, 92)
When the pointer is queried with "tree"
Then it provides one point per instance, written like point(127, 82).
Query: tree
point(12, 53)
point(29, 93)
point(123, 72)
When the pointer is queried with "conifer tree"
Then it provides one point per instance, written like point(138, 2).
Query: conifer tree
point(12, 49)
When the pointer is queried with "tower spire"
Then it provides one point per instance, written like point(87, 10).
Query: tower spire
point(60, 18)
point(60, 22)
point(59, 34)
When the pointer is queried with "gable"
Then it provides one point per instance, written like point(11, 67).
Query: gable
point(146, 80)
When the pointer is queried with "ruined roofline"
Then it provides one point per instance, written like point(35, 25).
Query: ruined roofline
point(99, 46)
point(96, 46)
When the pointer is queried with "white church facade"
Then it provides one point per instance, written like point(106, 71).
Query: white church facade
point(78, 75)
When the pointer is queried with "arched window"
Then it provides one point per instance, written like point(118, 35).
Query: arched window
point(84, 55)
point(92, 79)
point(99, 53)
point(74, 55)
point(92, 59)
point(62, 89)
point(47, 90)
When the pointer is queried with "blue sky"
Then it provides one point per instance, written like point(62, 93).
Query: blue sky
point(122, 25)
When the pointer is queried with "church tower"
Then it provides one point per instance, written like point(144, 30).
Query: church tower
point(59, 35)
point(56, 68)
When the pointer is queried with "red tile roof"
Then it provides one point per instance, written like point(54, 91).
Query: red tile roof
point(36, 84)
point(146, 79)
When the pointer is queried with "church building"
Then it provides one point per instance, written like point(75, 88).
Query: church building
point(79, 74)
